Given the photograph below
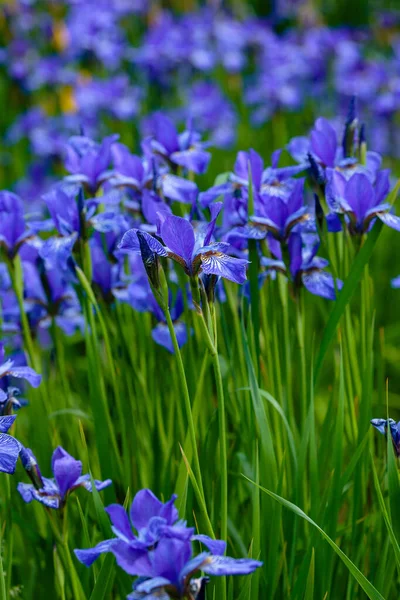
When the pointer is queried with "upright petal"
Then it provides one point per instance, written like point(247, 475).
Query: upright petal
point(360, 195)
point(66, 470)
point(120, 521)
point(178, 235)
point(145, 505)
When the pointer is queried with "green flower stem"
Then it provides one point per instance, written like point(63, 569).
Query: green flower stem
point(221, 425)
point(186, 398)
point(16, 275)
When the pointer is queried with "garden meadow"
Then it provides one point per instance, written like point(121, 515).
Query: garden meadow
point(199, 287)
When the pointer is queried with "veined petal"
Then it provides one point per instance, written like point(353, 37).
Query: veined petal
point(225, 565)
point(390, 220)
point(9, 452)
point(225, 266)
point(26, 373)
point(6, 422)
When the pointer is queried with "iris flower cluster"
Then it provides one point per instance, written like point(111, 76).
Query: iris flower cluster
point(154, 545)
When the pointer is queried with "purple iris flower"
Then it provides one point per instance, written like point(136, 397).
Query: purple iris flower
point(324, 147)
point(8, 369)
point(13, 232)
point(50, 297)
point(172, 566)
point(88, 161)
point(160, 553)
point(149, 182)
point(305, 268)
point(9, 446)
point(272, 181)
point(72, 215)
point(182, 150)
point(278, 216)
point(382, 426)
point(191, 247)
point(151, 519)
point(67, 472)
point(360, 200)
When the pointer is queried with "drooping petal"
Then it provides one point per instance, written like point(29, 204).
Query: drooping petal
point(319, 283)
point(132, 560)
point(225, 565)
point(155, 583)
point(390, 220)
point(6, 422)
point(89, 555)
point(178, 234)
point(9, 452)
point(225, 266)
point(26, 373)
point(161, 336)
point(179, 189)
point(381, 424)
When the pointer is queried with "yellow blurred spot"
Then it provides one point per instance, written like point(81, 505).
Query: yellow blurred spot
point(67, 100)
point(60, 36)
